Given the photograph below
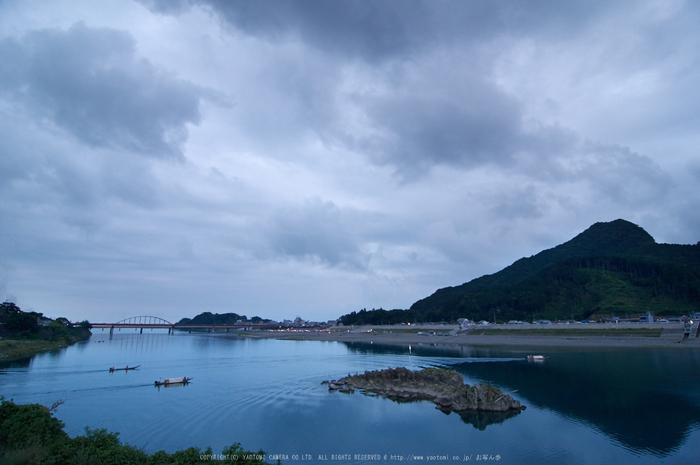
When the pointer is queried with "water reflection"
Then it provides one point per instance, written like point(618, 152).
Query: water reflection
point(639, 398)
point(584, 407)
point(647, 400)
point(16, 363)
point(480, 420)
point(421, 350)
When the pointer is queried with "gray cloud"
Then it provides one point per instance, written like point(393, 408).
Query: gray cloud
point(90, 82)
point(437, 141)
point(317, 231)
point(381, 30)
point(520, 203)
point(416, 129)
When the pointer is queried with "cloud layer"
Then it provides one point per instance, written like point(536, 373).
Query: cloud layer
point(293, 158)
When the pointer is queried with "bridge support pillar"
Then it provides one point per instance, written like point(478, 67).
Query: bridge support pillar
point(111, 330)
point(141, 332)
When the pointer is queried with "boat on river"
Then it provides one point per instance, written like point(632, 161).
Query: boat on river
point(171, 381)
point(126, 368)
point(536, 358)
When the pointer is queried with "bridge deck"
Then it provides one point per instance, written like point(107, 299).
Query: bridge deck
point(183, 326)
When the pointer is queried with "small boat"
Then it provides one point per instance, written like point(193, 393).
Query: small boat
point(536, 358)
point(169, 381)
point(126, 368)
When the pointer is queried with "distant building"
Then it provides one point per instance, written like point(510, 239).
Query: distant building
point(465, 323)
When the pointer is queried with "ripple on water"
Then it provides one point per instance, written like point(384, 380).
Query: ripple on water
point(268, 394)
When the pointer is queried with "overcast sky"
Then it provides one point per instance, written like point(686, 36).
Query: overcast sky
point(312, 158)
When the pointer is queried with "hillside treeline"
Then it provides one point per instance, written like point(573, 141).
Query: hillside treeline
point(208, 318)
point(611, 269)
point(577, 288)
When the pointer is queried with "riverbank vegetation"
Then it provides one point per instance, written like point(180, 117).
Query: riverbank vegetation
point(30, 434)
point(23, 334)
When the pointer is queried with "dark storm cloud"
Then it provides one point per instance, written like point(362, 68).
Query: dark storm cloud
point(415, 130)
point(90, 82)
point(438, 104)
point(437, 140)
point(377, 30)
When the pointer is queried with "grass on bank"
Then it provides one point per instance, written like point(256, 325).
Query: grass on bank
point(29, 434)
point(14, 349)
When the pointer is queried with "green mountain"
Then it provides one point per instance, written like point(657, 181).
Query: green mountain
point(611, 269)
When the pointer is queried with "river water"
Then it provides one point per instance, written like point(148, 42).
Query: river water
point(583, 406)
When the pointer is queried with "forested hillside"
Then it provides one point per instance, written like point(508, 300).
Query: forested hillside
point(611, 269)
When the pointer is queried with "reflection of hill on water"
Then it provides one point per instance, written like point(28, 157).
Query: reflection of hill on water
point(480, 420)
point(16, 363)
point(421, 349)
point(641, 399)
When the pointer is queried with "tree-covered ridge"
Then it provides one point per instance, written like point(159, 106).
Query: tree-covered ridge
point(16, 324)
point(381, 317)
point(611, 269)
point(208, 318)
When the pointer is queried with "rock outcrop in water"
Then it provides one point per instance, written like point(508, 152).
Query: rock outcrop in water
point(444, 388)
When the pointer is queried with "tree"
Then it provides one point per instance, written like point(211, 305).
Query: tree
point(21, 322)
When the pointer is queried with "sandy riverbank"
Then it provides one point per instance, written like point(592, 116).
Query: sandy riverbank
point(560, 336)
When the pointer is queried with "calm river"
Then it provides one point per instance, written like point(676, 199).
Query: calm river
point(583, 406)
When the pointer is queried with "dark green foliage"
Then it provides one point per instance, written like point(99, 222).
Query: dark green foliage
point(208, 318)
point(96, 447)
point(24, 425)
point(9, 308)
point(380, 317)
point(21, 323)
point(29, 434)
point(17, 324)
point(611, 269)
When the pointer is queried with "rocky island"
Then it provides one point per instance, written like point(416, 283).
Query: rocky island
point(445, 388)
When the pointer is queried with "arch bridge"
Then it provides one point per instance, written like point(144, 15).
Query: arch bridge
point(148, 321)
point(137, 322)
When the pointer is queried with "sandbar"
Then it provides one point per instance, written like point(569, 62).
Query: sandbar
point(561, 336)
